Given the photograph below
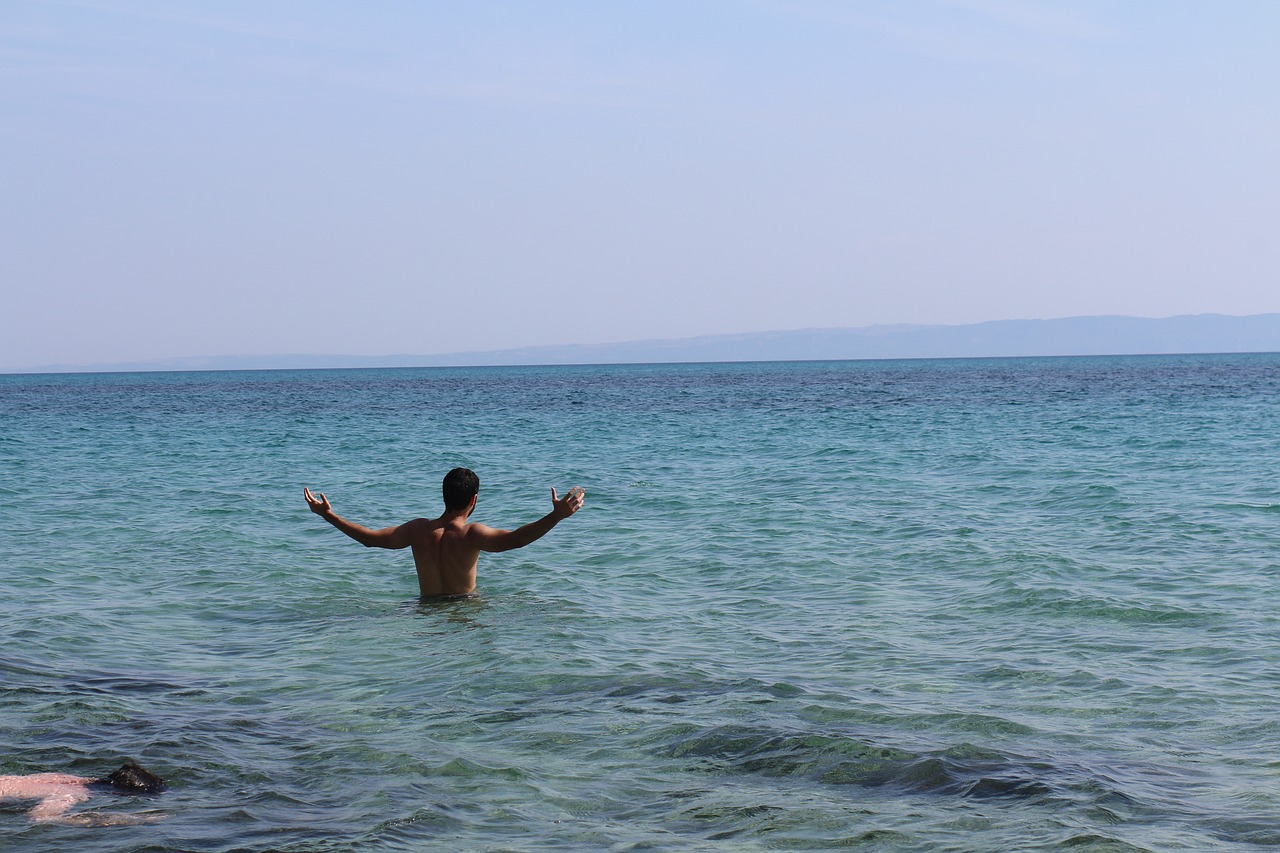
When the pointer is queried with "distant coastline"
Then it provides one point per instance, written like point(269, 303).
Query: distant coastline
point(1071, 336)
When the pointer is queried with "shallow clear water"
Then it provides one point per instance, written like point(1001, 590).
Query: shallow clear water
point(936, 605)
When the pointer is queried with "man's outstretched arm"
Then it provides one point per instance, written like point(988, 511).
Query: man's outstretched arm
point(387, 537)
point(489, 539)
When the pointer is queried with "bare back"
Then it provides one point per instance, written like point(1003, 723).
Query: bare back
point(58, 793)
point(444, 554)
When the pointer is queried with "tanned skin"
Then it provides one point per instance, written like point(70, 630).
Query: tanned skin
point(447, 549)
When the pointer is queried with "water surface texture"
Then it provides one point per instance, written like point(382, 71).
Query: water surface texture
point(1025, 604)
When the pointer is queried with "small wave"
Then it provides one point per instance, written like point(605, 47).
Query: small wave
point(113, 683)
point(1247, 507)
point(832, 759)
point(462, 767)
point(1094, 843)
point(12, 667)
point(1247, 831)
point(1096, 497)
point(1103, 608)
point(984, 724)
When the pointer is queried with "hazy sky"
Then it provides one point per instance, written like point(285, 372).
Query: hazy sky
point(217, 178)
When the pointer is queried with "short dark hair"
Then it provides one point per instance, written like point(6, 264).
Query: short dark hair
point(460, 486)
point(134, 778)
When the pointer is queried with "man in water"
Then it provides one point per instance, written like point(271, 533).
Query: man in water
point(58, 792)
point(446, 549)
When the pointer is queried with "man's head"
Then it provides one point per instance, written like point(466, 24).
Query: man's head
point(135, 780)
point(460, 487)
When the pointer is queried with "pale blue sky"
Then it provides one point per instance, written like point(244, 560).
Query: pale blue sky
point(199, 178)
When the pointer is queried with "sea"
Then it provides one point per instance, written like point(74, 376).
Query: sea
point(926, 605)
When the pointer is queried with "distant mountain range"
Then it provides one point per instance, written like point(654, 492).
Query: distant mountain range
point(1108, 335)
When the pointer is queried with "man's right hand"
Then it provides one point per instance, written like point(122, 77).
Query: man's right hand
point(563, 507)
point(320, 505)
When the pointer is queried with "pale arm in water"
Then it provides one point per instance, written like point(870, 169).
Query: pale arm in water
point(59, 792)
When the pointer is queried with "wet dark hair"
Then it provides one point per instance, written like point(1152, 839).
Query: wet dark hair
point(133, 778)
point(460, 486)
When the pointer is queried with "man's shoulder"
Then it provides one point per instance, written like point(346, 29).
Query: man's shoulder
point(417, 527)
point(424, 524)
point(442, 526)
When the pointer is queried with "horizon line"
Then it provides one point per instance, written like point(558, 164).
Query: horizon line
point(485, 358)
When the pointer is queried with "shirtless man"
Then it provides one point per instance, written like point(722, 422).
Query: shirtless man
point(446, 549)
point(58, 792)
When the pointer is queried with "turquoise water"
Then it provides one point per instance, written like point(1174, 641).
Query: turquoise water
point(1023, 604)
